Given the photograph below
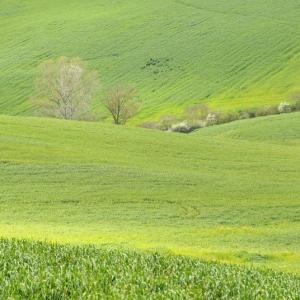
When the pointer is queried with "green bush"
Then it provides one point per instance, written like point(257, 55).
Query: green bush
point(199, 116)
point(246, 114)
point(182, 127)
point(166, 122)
point(196, 124)
point(227, 118)
point(266, 111)
point(297, 106)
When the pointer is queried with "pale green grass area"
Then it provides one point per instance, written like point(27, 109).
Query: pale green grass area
point(229, 192)
point(230, 54)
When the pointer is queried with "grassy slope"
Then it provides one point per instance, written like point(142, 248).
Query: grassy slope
point(276, 129)
point(229, 193)
point(229, 53)
point(46, 271)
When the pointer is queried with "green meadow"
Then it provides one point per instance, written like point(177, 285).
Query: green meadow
point(91, 210)
point(229, 54)
point(228, 193)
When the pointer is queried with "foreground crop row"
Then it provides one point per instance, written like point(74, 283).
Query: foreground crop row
point(38, 270)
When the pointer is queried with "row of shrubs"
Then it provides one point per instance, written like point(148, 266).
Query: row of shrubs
point(200, 116)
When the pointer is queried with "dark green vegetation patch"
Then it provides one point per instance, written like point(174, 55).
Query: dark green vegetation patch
point(35, 270)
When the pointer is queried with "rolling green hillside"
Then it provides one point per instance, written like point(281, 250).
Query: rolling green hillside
point(229, 193)
point(230, 54)
point(34, 270)
point(278, 129)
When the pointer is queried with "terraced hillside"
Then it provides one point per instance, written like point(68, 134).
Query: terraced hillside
point(229, 193)
point(230, 54)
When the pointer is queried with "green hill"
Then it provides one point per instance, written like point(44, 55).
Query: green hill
point(276, 129)
point(228, 193)
point(33, 270)
point(230, 54)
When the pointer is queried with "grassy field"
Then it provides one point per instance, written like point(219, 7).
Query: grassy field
point(92, 210)
point(46, 271)
point(228, 193)
point(230, 54)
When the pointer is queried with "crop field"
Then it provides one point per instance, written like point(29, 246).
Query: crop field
point(229, 54)
point(34, 270)
point(93, 210)
point(228, 193)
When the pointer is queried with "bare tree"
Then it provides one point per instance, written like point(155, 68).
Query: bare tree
point(65, 88)
point(121, 103)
